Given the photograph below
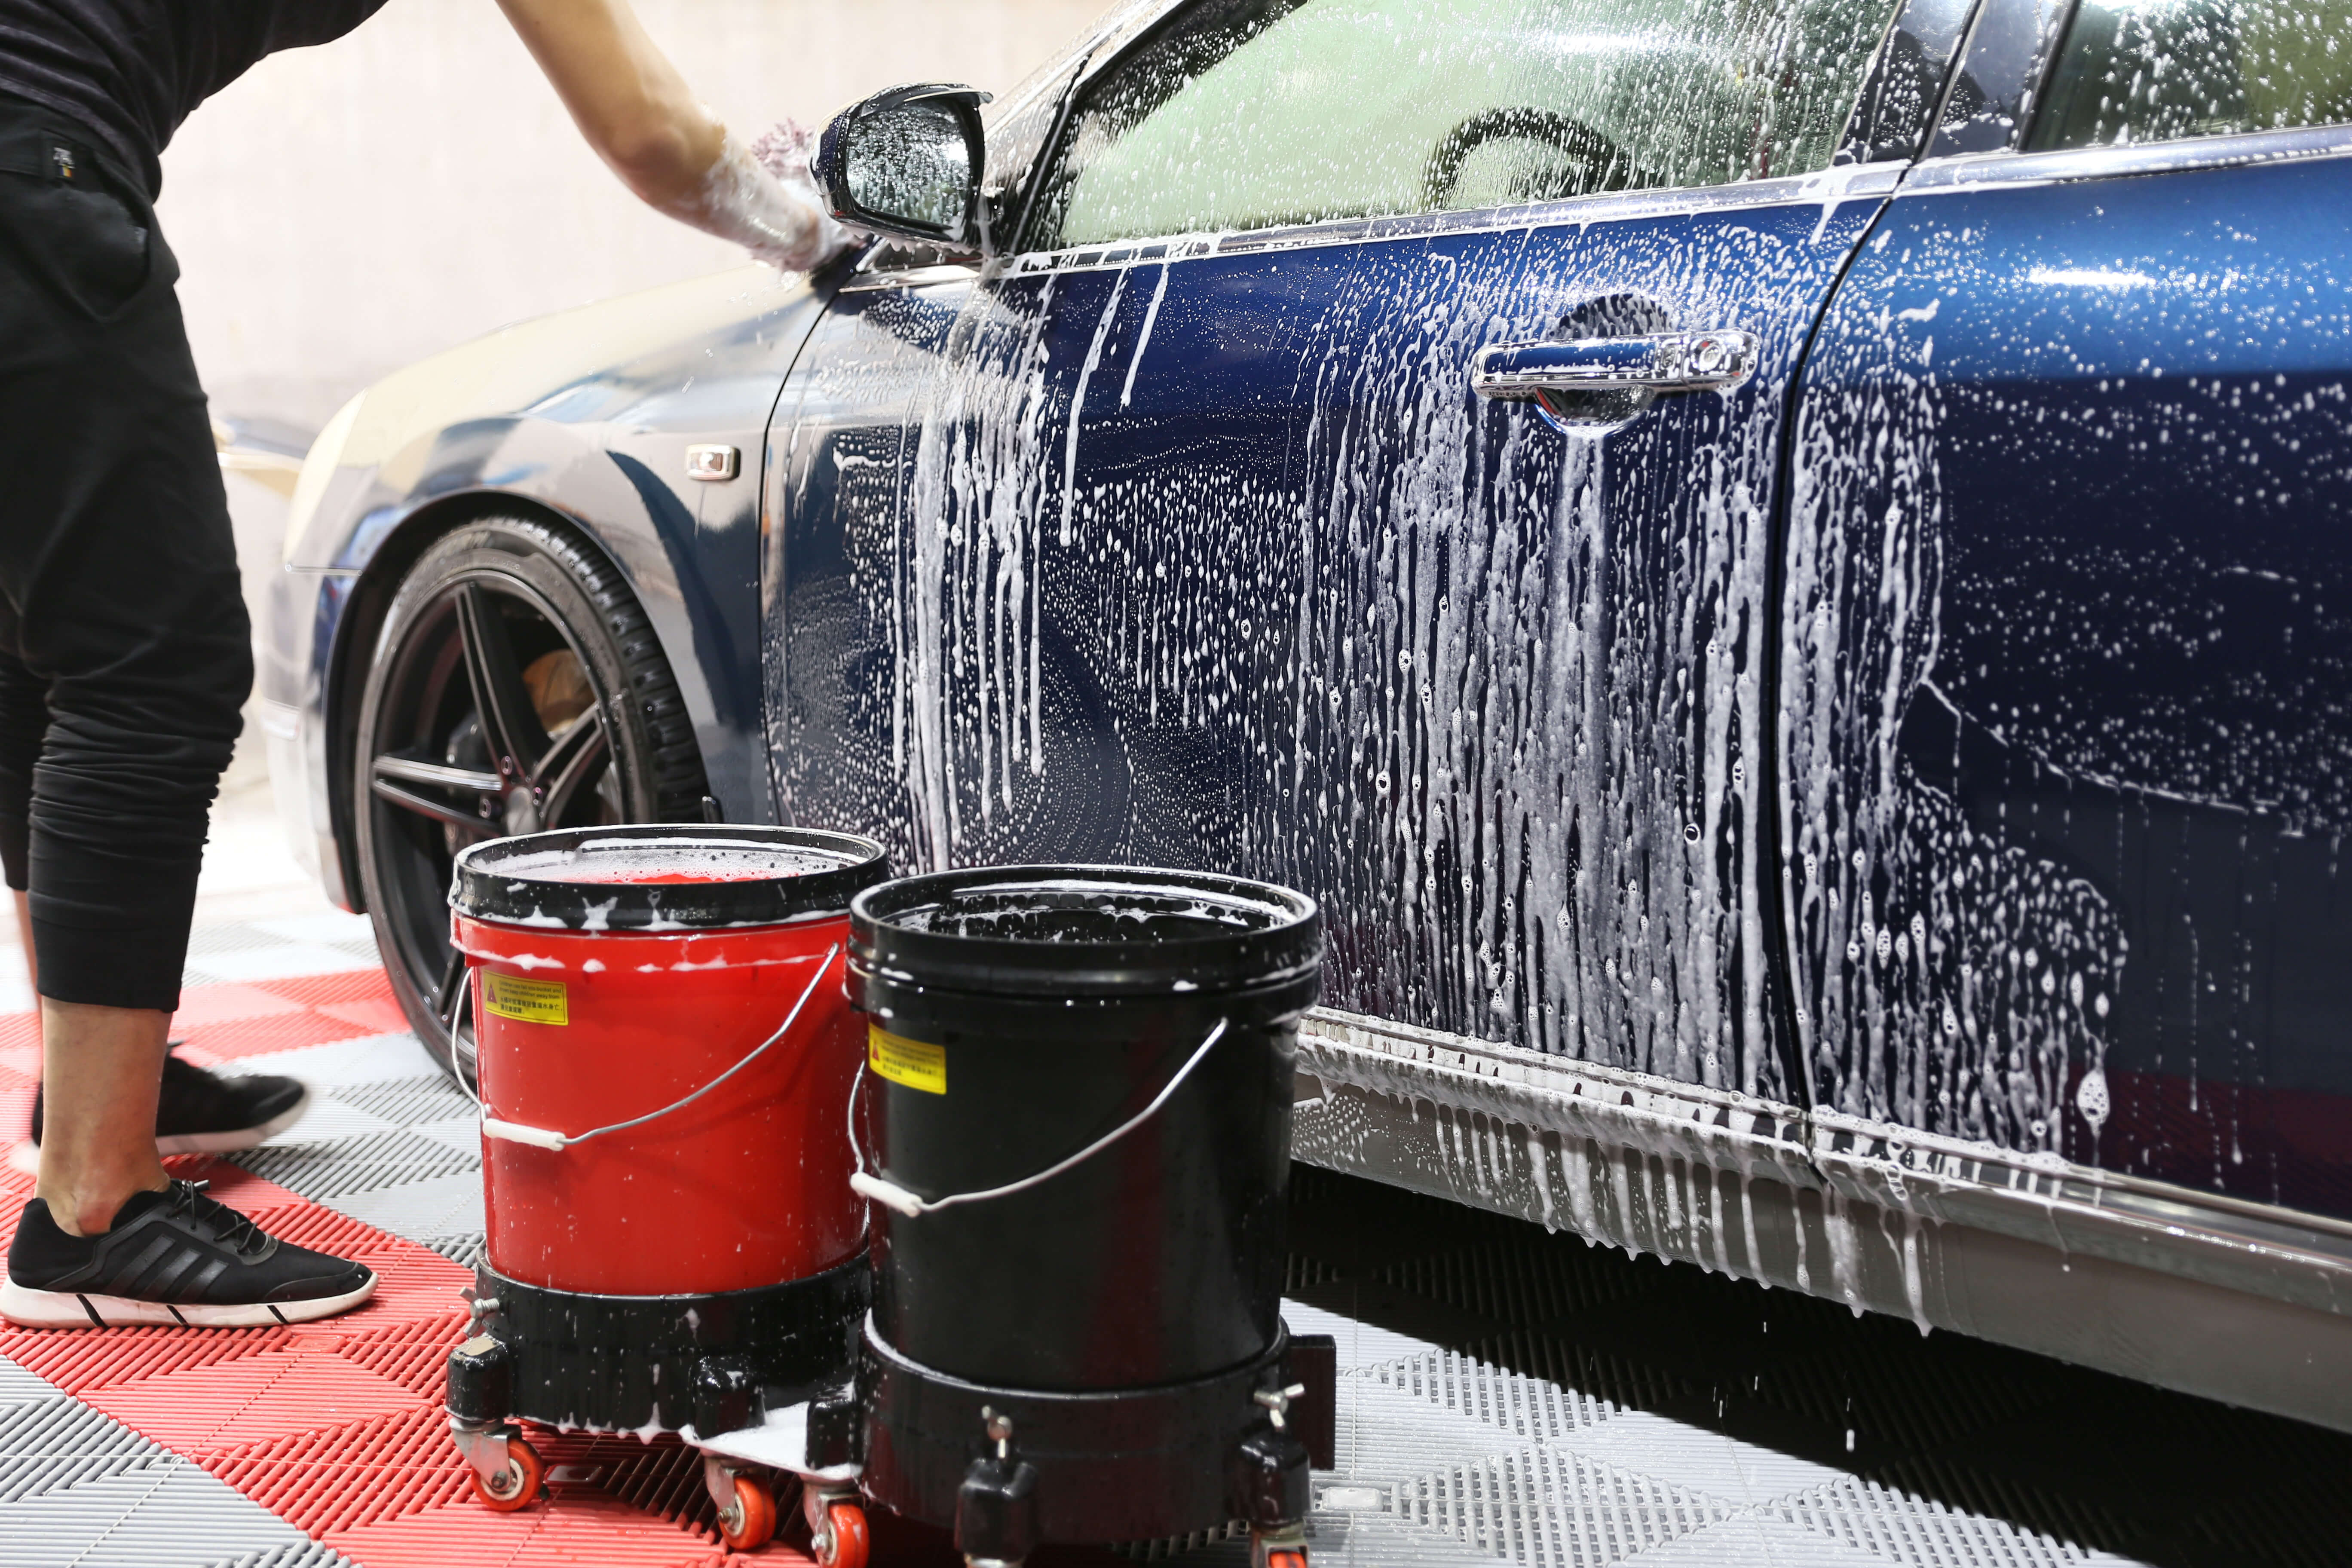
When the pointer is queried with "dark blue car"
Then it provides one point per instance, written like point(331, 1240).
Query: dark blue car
point(1782, 569)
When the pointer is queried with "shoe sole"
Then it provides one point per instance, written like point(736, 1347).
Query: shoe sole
point(25, 1158)
point(30, 1309)
point(242, 1138)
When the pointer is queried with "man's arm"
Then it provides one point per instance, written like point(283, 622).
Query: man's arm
point(637, 113)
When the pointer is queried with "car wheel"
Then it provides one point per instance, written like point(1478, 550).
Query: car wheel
point(516, 686)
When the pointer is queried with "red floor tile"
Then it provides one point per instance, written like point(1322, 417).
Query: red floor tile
point(83, 1361)
point(376, 1015)
point(201, 1007)
point(14, 1189)
point(286, 1031)
point(418, 1362)
point(20, 1032)
point(340, 1479)
point(324, 990)
point(581, 1526)
point(414, 1286)
point(254, 1398)
point(15, 1104)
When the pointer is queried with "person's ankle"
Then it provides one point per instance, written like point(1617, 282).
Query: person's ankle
point(89, 1210)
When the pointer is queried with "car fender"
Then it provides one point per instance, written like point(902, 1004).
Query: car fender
point(584, 419)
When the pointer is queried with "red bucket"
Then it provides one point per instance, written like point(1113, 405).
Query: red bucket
point(666, 1054)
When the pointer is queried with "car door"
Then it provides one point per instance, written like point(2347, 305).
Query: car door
point(836, 601)
point(1206, 549)
point(2068, 693)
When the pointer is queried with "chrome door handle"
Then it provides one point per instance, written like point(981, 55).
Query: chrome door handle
point(1662, 361)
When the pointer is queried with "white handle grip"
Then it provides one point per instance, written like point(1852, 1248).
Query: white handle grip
point(890, 1195)
point(516, 1132)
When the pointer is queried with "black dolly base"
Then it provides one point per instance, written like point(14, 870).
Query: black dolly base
point(1008, 1470)
point(646, 1364)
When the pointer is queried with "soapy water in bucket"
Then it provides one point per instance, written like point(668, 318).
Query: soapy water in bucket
point(669, 862)
point(1078, 910)
point(668, 879)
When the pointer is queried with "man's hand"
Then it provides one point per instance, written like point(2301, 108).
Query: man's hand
point(664, 143)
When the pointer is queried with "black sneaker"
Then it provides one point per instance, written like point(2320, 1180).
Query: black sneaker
point(203, 1113)
point(172, 1256)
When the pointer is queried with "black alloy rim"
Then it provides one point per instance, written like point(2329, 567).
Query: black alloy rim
point(492, 724)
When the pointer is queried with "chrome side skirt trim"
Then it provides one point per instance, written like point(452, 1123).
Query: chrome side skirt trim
point(2110, 1271)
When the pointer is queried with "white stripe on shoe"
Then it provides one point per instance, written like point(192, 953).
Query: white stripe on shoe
point(30, 1309)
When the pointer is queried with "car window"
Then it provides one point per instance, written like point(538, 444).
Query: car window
point(2158, 70)
point(1253, 113)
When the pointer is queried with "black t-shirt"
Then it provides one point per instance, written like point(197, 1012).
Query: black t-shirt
point(131, 71)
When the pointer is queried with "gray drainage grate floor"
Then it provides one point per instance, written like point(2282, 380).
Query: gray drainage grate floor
point(1513, 1395)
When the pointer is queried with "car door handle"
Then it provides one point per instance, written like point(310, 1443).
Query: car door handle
point(1655, 363)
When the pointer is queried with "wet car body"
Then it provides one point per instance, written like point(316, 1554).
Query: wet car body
point(1871, 826)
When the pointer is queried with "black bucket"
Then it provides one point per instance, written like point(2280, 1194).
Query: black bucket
point(1019, 1015)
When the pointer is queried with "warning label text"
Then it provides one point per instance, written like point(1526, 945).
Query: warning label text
point(525, 1001)
point(909, 1062)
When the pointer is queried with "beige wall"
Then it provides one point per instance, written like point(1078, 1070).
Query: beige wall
point(342, 211)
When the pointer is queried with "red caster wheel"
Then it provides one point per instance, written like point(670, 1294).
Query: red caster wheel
point(750, 1522)
point(518, 1484)
point(840, 1541)
point(1285, 1547)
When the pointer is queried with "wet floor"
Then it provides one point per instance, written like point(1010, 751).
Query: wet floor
point(1515, 1394)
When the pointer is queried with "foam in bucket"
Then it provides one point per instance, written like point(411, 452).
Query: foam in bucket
point(651, 861)
point(1076, 909)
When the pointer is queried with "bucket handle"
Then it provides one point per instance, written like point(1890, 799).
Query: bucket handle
point(540, 1138)
point(898, 1199)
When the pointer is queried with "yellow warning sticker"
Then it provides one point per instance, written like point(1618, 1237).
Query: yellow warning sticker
point(525, 1001)
point(909, 1062)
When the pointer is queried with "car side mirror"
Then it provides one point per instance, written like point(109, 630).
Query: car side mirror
point(907, 162)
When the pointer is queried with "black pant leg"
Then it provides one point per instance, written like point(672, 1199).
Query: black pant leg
point(116, 557)
point(24, 722)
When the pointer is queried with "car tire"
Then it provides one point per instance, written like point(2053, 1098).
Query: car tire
point(515, 685)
